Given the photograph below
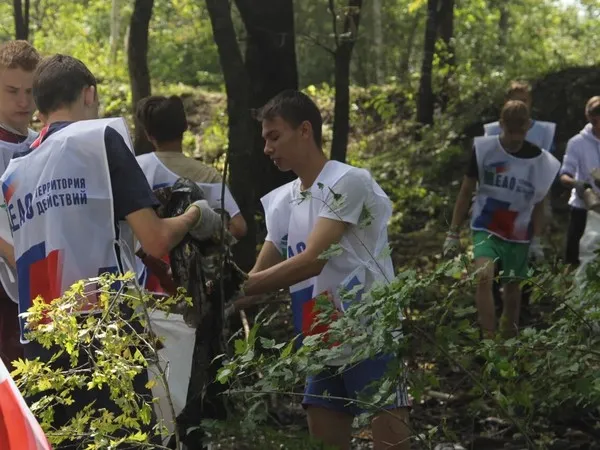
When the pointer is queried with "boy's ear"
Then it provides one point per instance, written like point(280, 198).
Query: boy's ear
point(89, 95)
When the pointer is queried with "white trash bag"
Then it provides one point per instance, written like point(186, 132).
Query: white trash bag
point(589, 244)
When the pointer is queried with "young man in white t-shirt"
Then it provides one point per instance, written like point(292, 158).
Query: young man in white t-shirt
point(581, 157)
point(304, 220)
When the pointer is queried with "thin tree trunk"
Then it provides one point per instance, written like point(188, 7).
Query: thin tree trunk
point(425, 103)
point(343, 57)
point(445, 31)
point(378, 41)
point(137, 59)
point(114, 30)
point(271, 67)
point(21, 17)
point(503, 30)
point(406, 55)
point(241, 160)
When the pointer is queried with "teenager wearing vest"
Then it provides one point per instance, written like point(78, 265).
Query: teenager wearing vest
point(18, 60)
point(73, 200)
point(512, 177)
point(581, 157)
point(541, 134)
point(297, 233)
point(164, 121)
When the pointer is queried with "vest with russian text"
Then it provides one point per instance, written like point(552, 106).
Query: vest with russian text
point(509, 188)
point(60, 210)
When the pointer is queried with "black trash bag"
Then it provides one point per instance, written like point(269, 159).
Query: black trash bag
point(199, 266)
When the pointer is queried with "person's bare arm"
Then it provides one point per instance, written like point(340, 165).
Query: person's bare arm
point(567, 181)
point(268, 257)
point(463, 201)
point(158, 236)
point(237, 226)
point(303, 266)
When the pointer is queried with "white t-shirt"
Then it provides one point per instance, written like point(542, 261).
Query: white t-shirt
point(344, 193)
point(581, 157)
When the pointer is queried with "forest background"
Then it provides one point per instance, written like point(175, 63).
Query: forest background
point(404, 85)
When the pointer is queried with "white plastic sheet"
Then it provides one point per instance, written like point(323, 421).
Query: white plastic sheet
point(589, 243)
point(176, 357)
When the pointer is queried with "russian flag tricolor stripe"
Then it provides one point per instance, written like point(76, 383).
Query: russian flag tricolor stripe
point(19, 430)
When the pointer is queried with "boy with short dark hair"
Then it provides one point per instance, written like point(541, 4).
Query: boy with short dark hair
point(298, 232)
point(85, 198)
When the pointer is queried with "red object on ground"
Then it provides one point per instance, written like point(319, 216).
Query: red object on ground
point(19, 430)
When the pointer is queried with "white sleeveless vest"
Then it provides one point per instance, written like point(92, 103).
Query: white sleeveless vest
point(540, 133)
point(509, 188)
point(60, 209)
point(8, 275)
point(290, 221)
point(159, 175)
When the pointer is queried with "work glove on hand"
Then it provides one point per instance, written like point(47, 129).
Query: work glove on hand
point(581, 186)
point(451, 244)
point(209, 222)
point(536, 251)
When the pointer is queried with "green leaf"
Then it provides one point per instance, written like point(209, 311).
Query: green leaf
point(240, 346)
point(267, 343)
point(333, 250)
point(223, 375)
point(287, 350)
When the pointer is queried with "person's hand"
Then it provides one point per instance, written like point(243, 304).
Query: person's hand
point(451, 244)
point(239, 302)
point(209, 222)
point(536, 250)
point(581, 186)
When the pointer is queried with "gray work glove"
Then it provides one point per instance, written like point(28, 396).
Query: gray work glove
point(209, 223)
point(451, 244)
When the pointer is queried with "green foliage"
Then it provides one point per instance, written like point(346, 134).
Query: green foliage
point(104, 353)
point(550, 369)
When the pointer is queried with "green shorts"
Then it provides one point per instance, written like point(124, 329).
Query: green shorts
point(511, 257)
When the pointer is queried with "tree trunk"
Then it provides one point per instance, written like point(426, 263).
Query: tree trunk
point(425, 103)
point(241, 158)
point(270, 62)
point(21, 17)
point(378, 41)
point(406, 55)
point(445, 31)
point(114, 30)
point(503, 30)
point(137, 59)
point(343, 57)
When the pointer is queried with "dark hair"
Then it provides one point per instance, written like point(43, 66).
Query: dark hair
point(58, 82)
point(18, 54)
point(162, 118)
point(294, 107)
